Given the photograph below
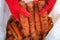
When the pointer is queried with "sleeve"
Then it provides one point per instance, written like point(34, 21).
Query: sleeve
point(48, 7)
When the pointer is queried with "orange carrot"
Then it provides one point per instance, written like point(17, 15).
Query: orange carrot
point(14, 26)
point(37, 20)
point(43, 19)
point(24, 22)
point(11, 29)
point(50, 23)
point(30, 9)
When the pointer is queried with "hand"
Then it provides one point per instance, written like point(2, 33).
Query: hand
point(16, 9)
point(48, 7)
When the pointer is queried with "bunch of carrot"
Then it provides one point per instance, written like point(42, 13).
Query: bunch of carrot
point(35, 27)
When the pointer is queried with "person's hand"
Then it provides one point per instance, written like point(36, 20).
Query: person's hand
point(48, 7)
point(16, 9)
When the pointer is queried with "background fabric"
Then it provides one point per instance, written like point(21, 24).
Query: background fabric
point(4, 16)
point(2, 32)
point(55, 14)
point(54, 34)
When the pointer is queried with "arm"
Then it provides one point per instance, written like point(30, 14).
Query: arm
point(48, 6)
point(15, 9)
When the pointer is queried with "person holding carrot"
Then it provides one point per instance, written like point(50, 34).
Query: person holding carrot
point(15, 8)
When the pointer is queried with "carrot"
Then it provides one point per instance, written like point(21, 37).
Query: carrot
point(43, 19)
point(50, 23)
point(11, 29)
point(37, 20)
point(24, 22)
point(44, 22)
point(16, 30)
point(30, 9)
